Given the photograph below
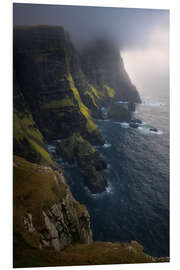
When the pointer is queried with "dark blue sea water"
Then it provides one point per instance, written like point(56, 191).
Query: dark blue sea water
point(136, 203)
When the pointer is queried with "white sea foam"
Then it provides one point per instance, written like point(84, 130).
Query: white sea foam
point(153, 104)
point(108, 191)
point(122, 124)
point(103, 120)
point(52, 148)
point(122, 102)
point(106, 120)
point(146, 130)
point(136, 112)
point(159, 132)
point(106, 145)
point(108, 166)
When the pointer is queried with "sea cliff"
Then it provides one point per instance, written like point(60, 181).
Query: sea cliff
point(58, 93)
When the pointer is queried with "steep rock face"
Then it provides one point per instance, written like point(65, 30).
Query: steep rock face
point(45, 213)
point(104, 68)
point(45, 62)
point(28, 141)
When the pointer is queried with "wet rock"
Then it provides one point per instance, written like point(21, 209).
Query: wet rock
point(154, 129)
point(134, 125)
point(136, 120)
point(94, 180)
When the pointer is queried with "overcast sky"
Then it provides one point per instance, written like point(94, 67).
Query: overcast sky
point(142, 35)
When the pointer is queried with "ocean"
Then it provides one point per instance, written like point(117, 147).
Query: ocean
point(135, 205)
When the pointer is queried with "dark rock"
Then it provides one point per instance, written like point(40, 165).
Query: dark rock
point(154, 129)
point(95, 137)
point(134, 125)
point(75, 149)
point(94, 180)
point(135, 120)
point(95, 159)
point(119, 113)
point(102, 64)
point(131, 106)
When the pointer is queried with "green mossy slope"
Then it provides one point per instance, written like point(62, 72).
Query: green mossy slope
point(28, 141)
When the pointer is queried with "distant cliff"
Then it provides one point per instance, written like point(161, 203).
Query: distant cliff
point(104, 68)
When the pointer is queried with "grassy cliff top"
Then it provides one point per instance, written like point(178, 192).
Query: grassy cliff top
point(28, 140)
point(97, 253)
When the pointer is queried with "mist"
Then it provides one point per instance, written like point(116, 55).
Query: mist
point(148, 67)
point(141, 34)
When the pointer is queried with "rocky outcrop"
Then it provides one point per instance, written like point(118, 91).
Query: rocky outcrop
point(94, 179)
point(134, 125)
point(154, 129)
point(45, 212)
point(136, 121)
point(120, 113)
point(77, 150)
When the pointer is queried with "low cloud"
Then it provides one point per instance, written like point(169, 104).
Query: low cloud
point(148, 67)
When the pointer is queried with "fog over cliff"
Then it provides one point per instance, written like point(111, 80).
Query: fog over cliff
point(141, 34)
